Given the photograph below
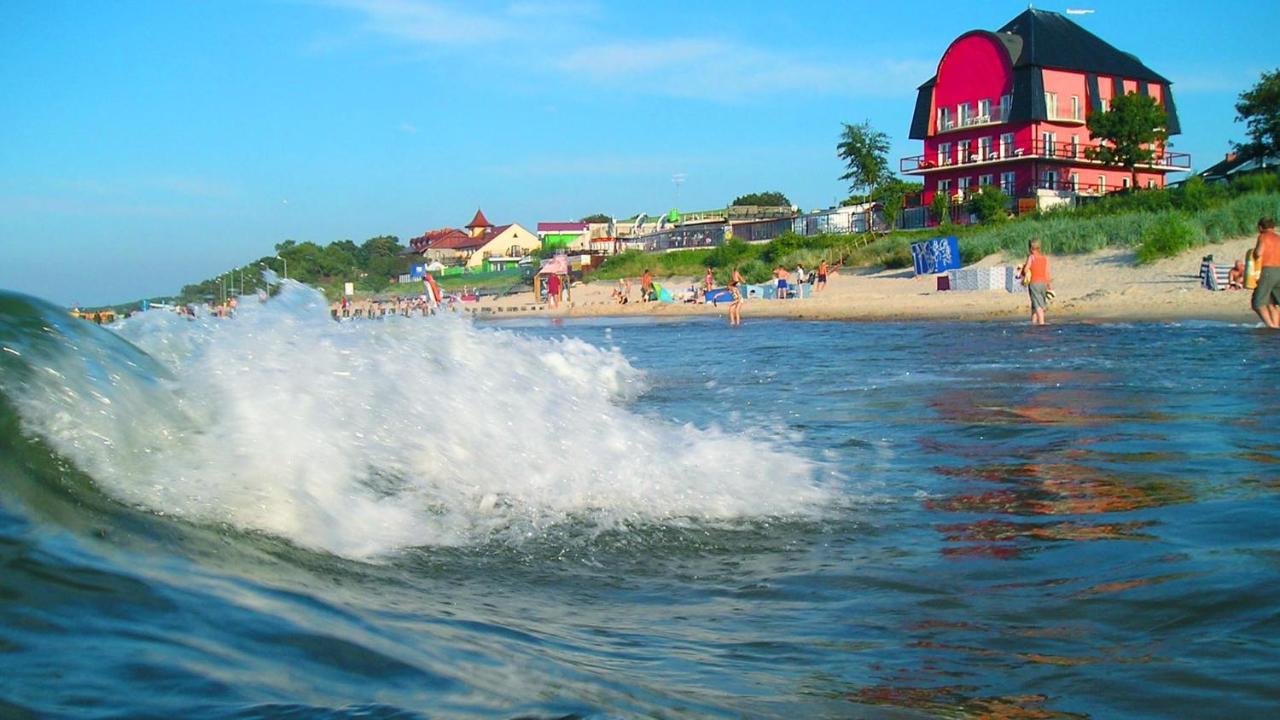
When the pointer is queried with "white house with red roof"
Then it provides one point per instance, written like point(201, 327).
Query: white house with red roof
point(482, 243)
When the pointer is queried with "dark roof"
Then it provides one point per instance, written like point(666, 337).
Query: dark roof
point(1051, 40)
point(479, 220)
point(1237, 162)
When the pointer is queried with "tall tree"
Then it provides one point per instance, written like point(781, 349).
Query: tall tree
point(1130, 132)
point(865, 152)
point(772, 198)
point(1259, 109)
point(597, 218)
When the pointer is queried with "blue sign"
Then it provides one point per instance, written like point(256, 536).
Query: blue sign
point(936, 256)
point(417, 271)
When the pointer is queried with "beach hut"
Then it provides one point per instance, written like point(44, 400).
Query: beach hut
point(557, 265)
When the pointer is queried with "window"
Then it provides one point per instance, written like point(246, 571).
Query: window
point(984, 111)
point(944, 153)
point(984, 148)
point(1049, 180)
point(1006, 103)
point(1075, 182)
point(1006, 144)
point(1049, 140)
point(1075, 107)
point(962, 114)
point(1106, 104)
point(1075, 146)
point(984, 180)
point(944, 186)
point(944, 119)
point(963, 187)
point(1051, 105)
point(1124, 183)
point(1151, 184)
point(1102, 183)
point(1007, 182)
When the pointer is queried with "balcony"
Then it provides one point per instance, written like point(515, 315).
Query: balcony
point(967, 155)
point(995, 117)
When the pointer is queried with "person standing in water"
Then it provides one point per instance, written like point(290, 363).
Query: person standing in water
point(1035, 274)
point(735, 307)
point(1266, 296)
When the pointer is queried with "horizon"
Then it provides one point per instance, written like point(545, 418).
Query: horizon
point(154, 145)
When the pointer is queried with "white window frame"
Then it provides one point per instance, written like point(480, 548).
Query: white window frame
point(984, 148)
point(963, 185)
point(1075, 146)
point(1102, 184)
point(963, 118)
point(984, 110)
point(1075, 183)
point(944, 186)
point(1049, 179)
point(1006, 107)
point(1006, 144)
point(1049, 141)
point(1051, 104)
point(1008, 182)
point(944, 154)
point(1124, 183)
point(944, 119)
point(984, 180)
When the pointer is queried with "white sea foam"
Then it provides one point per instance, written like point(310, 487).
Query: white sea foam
point(362, 438)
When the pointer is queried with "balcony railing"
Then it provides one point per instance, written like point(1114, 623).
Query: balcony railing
point(968, 154)
point(995, 117)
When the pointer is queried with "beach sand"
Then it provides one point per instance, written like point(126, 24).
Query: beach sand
point(1102, 286)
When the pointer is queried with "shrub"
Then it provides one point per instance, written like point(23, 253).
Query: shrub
point(990, 204)
point(1169, 235)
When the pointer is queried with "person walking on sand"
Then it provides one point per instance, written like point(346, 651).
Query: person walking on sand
point(646, 285)
point(1035, 274)
point(735, 307)
point(553, 291)
point(708, 281)
point(1266, 296)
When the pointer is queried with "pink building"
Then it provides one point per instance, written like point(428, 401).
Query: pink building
point(1009, 108)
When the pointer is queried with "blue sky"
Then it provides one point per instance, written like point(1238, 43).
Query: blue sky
point(151, 144)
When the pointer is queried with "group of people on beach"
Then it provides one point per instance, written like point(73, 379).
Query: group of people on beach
point(1265, 255)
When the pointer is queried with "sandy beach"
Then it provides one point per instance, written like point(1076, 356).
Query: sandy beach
point(1102, 286)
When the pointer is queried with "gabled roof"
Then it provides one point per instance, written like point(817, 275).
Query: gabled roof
point(479, 221)
point(1051, 40)
point(458, 240)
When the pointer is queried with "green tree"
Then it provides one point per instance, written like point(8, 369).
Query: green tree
point(597, 218)
point(1259, 109)
point(381, 247)
point(940, 207)
point(763, 199)
point(1128, 131)
point(990, 204)
point(865, 152)
point(891, 193)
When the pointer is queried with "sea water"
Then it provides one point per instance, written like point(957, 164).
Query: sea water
point(283, 516)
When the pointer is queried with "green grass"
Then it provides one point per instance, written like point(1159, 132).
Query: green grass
point(1159, 226)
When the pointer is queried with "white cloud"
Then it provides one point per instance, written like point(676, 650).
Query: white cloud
point(408, 128)
point(706, 67)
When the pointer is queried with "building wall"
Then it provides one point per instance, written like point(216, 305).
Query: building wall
point(975, 67)
point(502, 244)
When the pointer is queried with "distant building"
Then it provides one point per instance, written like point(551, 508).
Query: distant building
point(1236, 164)
point(1009, 107)
point(482, 244)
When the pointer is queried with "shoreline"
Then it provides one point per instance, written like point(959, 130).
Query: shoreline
point(1101, 287)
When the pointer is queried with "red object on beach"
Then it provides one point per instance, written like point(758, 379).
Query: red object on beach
point(944, 282)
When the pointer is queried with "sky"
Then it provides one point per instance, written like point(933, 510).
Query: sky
point(147, 145)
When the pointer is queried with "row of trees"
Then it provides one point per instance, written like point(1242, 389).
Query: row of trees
point(371, 265)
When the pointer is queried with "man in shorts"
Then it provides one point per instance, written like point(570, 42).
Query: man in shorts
point(1035, 273)
point(1266, 296)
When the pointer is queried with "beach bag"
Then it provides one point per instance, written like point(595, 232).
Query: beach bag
point(1252, 271)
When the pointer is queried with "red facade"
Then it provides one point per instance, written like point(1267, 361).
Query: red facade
point(999, 112)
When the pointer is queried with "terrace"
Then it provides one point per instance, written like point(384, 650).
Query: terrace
point(967, 155)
